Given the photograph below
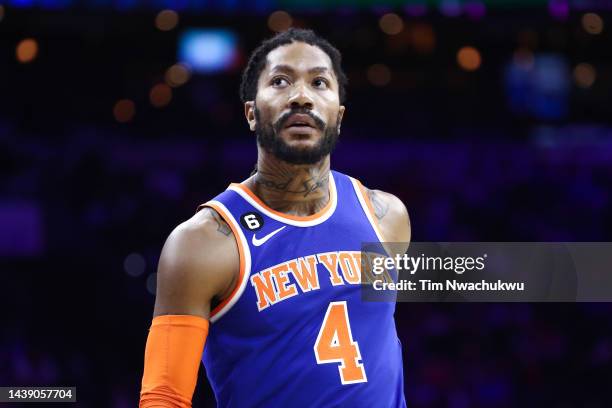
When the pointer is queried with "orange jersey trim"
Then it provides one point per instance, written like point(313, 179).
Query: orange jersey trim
point(366, 198)
point(241, 254)
point(314, 216)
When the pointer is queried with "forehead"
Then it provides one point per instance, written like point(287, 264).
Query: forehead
point(299, 56)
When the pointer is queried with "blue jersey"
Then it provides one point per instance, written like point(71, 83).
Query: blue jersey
point(295, 331)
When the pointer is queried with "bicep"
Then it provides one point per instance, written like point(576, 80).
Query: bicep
point(194, 267)
point(394, 221)
point(401, 229)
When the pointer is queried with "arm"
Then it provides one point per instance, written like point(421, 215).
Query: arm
point(392, 218)
point(199, 263)
point(394, 222)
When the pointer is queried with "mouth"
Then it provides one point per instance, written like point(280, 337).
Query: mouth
point(300, 122)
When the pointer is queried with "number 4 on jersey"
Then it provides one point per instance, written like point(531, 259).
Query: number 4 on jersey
point(335, 344)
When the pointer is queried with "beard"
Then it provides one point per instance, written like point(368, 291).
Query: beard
point(268, 137)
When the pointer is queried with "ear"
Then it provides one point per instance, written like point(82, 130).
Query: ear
point(340, 116)
point(249, 113)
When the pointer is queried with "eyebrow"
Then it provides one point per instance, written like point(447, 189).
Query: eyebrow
point(287, 68)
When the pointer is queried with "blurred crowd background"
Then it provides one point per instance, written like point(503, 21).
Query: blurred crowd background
point(491, 120)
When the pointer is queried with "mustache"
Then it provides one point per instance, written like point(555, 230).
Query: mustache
point(280, 123)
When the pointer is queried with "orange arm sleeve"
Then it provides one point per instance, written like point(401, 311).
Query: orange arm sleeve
point(172, 359)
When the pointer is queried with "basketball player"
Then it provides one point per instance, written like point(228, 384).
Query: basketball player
point(267, 274)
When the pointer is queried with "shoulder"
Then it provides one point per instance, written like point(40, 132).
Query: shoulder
point(199, 262)
point(391, 215)
point(206, 230)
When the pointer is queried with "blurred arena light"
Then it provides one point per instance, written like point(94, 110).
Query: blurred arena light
point(541, 91)
point(177, 75)
point(423, 37)
point(469, 58)
point(166, 20)
point(208, 51)
point(160, 95)
point(559, 9)
point(592, 23)
point(379, 74)
point(450, 8)
point(124, 110)
point(475, 10)
point(27, 50)
point(391, 24)
point(134, 264)
point(279, 21)
point(585, 75)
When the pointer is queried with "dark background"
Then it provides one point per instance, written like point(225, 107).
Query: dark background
point(519, 149)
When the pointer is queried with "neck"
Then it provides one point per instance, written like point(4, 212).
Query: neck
point(296, 189)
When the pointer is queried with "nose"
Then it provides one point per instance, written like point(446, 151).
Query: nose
point(300, 98)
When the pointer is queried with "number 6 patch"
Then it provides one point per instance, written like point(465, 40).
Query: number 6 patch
point(251, 221)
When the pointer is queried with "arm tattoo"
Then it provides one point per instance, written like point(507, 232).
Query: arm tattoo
point(380, 207)
point(222, 226)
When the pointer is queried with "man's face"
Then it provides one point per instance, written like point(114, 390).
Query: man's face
point(297, 113)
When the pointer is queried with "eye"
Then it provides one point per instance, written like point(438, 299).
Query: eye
point(320, 83)
point(279, 82)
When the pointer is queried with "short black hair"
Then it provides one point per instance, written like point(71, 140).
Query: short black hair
point(257, 61)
